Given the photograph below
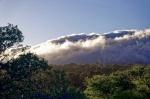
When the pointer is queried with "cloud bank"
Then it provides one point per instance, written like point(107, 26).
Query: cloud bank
point(118, 47)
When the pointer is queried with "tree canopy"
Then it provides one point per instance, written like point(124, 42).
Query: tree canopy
point(9, 35)
point(129, 84)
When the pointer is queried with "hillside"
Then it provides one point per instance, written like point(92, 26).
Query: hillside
point(117, 47)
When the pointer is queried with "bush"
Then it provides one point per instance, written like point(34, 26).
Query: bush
point(129, 84)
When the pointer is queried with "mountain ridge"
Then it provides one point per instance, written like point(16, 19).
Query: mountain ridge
point(117, 47)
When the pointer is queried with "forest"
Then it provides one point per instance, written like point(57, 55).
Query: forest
point(29, 76)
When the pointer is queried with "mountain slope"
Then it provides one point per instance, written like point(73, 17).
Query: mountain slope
point(118, 47)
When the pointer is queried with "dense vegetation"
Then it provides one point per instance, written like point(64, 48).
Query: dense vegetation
point(133, 83)
point(30, 77)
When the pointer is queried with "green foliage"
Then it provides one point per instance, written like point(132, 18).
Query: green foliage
point(129, 94)
point(5, 84)
point(24, 65)
point(106, 86)
point(77, 73)
point(129, 84)
point(9, 35)
point(55, 85)
point(15, 77)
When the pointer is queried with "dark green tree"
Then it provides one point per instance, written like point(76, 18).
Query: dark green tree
point(129, 84)
point(104, 87)
point(54, 84)
point(9, 36)
point(24, 65)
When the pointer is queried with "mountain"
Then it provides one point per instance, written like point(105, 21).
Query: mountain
point(117, 47)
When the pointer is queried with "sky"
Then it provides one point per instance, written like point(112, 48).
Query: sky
point(41, 20)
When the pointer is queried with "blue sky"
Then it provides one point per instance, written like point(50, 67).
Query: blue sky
point(41, 20)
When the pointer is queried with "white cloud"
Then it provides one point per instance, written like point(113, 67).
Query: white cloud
point(128, 46)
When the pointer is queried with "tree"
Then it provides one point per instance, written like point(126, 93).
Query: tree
point(9, 36)
point(106, 86)
point(15, 79)
point(15, 73)
point(129, 84)
point(54, 84)
point(25, 65)
point(129, 94)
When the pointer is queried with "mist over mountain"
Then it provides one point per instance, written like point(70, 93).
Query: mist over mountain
point(117, 47)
